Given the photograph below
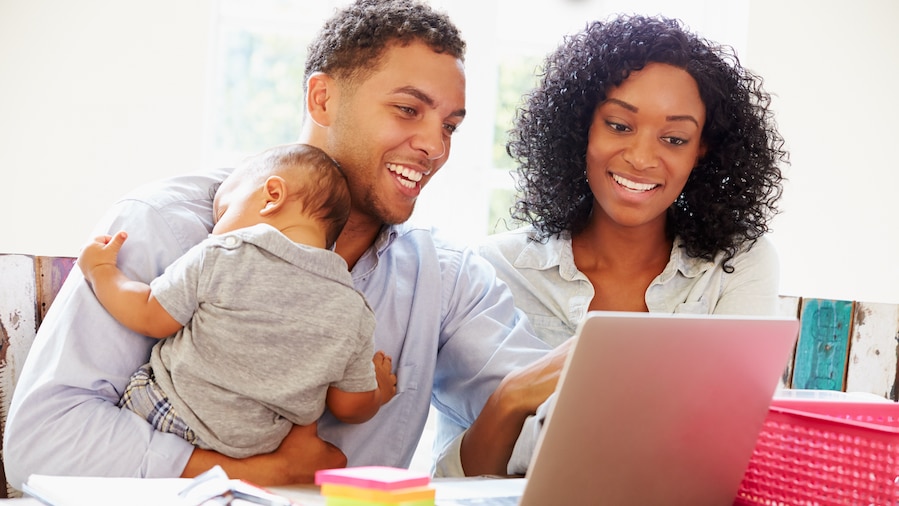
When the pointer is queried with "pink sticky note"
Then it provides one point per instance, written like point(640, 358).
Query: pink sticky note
point(376, 477)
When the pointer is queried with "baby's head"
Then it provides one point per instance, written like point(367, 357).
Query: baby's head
point(281, 185)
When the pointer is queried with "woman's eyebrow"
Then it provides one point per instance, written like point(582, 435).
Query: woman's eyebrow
point(633, 108)
point(682, 117)
point(622, 103)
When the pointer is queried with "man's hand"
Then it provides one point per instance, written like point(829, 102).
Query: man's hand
point(301, 454)
point(488, 443)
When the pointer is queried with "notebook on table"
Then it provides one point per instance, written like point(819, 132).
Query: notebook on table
point(658, 409)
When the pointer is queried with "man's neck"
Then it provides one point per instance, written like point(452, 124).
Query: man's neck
point(357, 236)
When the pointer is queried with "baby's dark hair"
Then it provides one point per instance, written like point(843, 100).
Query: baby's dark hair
point(732, 192)
point(315, 179)
point(351, 43)
point(326, 197)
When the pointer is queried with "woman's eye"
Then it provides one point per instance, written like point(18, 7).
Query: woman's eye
point(618, 127)
point(677, 141)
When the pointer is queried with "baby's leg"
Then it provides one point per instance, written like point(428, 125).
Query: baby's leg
point(144, 397)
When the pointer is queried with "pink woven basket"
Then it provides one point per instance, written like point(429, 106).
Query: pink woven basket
point(825, 452)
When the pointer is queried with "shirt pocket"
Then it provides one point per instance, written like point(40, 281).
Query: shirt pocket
point(406, 379)
point(551, 329)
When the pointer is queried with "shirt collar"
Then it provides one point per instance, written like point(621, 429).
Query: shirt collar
point(386, 236)
point(556, 251)
point(689, 267)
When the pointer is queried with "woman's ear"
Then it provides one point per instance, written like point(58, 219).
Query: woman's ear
point(274, 191)
point(321, 91)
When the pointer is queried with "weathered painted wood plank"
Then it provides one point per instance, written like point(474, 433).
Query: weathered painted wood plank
point(18, 325)
point(823, 346)
point(51, 272)
point(788, 305)
point(873, 351)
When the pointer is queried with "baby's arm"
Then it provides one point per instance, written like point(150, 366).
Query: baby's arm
point(358, 407)
point(130, 302)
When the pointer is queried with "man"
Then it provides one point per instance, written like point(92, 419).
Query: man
point(385, 91)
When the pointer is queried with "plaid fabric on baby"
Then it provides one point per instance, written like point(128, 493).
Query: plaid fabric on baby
point(144, 397)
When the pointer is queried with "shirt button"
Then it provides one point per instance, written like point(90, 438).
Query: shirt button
point(230, 240)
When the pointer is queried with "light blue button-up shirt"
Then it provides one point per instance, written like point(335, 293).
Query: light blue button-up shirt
point(451, 328)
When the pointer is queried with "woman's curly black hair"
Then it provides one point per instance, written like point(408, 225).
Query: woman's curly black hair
point(730, 195)
point(351, 43)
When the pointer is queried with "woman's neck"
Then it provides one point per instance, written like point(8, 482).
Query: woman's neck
point(606, 245)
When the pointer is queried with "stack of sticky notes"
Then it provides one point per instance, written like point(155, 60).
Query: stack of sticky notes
point(375, 486)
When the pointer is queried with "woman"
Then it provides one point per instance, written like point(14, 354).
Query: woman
point(648, 169)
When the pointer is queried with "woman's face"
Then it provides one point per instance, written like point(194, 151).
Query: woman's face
point(643, 143)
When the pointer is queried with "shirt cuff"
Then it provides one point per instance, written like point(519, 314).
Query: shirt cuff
point(527, 440)
point(449, 462)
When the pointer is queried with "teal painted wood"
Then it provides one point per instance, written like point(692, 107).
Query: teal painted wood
point(823, 347)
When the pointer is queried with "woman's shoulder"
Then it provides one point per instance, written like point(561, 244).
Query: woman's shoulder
point(760, 250)
point(515, 238)
point(525, 248)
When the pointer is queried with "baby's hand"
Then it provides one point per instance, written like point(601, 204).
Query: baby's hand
point(386, 378)
point(103, 250)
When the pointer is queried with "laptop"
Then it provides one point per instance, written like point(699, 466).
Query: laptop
point(658, 409)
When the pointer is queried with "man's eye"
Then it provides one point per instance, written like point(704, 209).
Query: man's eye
point(450, 128)
point(408, 111)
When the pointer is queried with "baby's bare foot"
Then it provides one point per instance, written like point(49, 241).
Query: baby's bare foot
point(384, 374)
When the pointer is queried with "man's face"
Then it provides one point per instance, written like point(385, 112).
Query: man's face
point(392, 131)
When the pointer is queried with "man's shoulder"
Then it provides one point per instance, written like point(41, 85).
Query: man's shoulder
point(425, 237)
point(163, 219)
point(195, 186)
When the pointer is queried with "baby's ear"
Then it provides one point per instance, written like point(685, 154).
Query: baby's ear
point(275, 192)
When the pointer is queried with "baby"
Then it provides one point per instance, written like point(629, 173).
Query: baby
point(266, 327)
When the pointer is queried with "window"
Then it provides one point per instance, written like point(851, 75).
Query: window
point(256, 84)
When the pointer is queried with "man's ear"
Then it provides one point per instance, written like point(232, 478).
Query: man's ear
point(275, 192)
point(321, 93)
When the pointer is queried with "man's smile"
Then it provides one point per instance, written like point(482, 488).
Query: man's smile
point(409, 177)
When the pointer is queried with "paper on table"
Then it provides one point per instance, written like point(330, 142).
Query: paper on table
point(80, 490)
point(452, 489)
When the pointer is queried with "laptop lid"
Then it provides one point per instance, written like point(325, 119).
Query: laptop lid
point(658, 409)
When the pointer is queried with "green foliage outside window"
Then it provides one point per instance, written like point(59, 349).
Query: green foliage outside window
point(261, 97)
point(515, 78)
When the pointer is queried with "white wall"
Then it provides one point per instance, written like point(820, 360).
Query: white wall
point(98, 96)
point(834, 67)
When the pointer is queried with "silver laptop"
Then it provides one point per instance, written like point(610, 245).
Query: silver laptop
point(656, 409)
